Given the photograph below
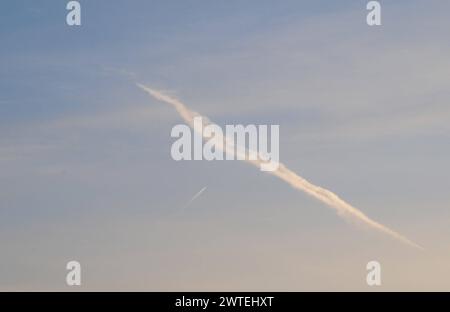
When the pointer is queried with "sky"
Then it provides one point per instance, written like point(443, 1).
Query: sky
point(86, 172)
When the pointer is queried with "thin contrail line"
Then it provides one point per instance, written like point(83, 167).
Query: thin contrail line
point(342, 208)
point(197, 195)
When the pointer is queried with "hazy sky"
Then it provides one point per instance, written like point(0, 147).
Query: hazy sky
point(85, 166)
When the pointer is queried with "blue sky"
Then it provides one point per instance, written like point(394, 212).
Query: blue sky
point(85, 167)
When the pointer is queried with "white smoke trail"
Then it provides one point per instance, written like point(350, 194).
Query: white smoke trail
point(197, 195)
point(343, 208)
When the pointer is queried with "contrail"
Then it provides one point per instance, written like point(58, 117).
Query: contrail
point(194, 197)
point(343, 209)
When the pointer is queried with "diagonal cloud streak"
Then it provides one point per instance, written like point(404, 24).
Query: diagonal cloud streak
point(343, 209)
